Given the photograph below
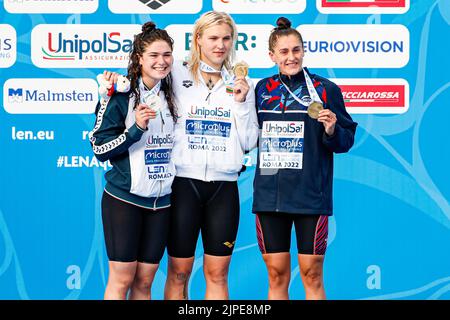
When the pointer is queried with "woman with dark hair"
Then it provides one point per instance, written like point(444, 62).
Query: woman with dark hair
point(303, 122)
point(134, 131)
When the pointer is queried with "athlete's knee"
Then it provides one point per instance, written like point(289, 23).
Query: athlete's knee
point(122, 281)
point(278, 277)
point(312, 277)
point(143, 283)
point(178, 274)
point(216, 275)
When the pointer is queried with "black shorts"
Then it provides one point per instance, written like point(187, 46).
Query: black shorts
point(273, 230)
point(212, 207)
point(133, 233)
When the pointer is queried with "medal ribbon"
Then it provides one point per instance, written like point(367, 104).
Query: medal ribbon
point(145, 92)
point(311, 90)
point(226, 77)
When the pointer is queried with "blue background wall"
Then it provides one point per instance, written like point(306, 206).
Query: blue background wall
point(388, 239)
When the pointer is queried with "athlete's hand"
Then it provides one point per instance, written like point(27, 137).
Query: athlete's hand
point(143, 115)
point(328, 118)
point(240, 89)
point(112, 77)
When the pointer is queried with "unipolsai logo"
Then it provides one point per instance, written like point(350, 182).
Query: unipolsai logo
point(74, 46)
point(251, 45)
point(155, 6)
point(260, 6)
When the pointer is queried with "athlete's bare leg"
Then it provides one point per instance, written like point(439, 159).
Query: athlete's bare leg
point(279, 270)
point(178, 274)
point(215, 269)
point(121, 277)
point(142, 285)
point(311, 271)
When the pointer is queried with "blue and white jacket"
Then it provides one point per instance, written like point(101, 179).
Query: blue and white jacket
point(142, 168)
point(294, 172)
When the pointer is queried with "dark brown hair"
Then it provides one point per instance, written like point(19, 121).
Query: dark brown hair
point(149, 35)
point(283, 29)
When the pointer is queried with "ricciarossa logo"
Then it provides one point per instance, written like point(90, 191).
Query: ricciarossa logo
point(375, 96)
point(355, 45)
point(82, 46)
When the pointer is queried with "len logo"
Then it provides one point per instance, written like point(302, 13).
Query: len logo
point(155, 4)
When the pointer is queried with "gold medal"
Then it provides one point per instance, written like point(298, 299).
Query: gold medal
point(240, 69)
point(314, 108)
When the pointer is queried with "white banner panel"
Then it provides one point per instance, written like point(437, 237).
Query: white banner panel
point(8, 45)
point(363, 6)
point(49, 6)
point(155, 6)
point(260, 6)
point(355, 45)
point(82, 46)
point(50, 96)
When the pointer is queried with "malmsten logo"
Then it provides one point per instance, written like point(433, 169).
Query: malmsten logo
point(154, 4)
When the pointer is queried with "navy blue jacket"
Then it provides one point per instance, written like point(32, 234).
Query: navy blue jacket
point(305, 183)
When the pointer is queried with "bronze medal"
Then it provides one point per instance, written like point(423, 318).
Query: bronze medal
point(314, 108)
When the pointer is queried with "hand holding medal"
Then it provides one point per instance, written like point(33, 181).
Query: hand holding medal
point(241, 86)
point(328, 118)
point(143, 115)
point(314, 108)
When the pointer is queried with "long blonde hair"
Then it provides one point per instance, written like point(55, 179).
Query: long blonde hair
point(207, 20)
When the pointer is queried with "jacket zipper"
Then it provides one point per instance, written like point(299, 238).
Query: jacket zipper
point(277, 209)
point(208, 99)
point(160, 181)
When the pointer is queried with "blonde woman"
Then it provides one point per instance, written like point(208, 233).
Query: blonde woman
point(217, 123)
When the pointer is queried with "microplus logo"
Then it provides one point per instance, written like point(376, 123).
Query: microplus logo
point(363, 6)
point(375, 96)
point(51, 6)
point(355, 46)
point(50, 96)
point(251, 45)
point(8, 45)
point(260, 6)
point(155, 6)
point(76, 46)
